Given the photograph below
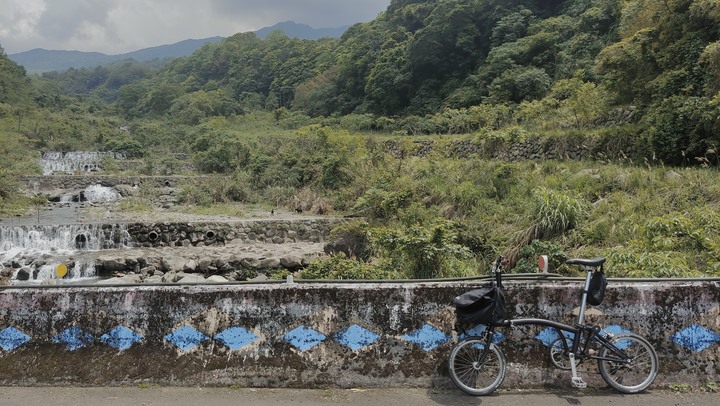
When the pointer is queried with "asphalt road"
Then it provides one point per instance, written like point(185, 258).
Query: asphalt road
point(176, 396)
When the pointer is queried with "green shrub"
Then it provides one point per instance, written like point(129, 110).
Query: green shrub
point(422, 252)
point(556, 212)
point(377, 203)
point(339, 267)
point(627, 263)
point(528, 261)
point(353, 238)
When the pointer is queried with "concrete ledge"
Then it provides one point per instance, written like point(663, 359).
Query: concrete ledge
point(324, 335)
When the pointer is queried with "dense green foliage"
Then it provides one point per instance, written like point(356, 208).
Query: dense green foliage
point(329, 126)
point(446, 67)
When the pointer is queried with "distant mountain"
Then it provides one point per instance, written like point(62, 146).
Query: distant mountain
point(302, 31)
point(42, 60)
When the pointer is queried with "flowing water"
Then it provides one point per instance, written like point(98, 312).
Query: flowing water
point(35, 251)
point(33, 246)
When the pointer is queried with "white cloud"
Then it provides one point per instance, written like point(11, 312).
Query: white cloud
point(19, 19)
point(117, 26)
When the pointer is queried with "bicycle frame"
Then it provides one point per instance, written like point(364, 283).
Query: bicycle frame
point(582, 334)
point(622, 359)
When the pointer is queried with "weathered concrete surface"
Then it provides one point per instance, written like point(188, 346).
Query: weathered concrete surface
point(322, 335)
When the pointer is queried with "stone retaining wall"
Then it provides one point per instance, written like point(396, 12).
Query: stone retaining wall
point(251, 231)
point(76, 182)
point(326, 335)
point(531, 148)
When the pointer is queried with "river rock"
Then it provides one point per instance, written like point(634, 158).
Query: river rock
point(153, 279)
point(112, 265)
point(192, 278)
point(291, 262)
point(148, 270)
point(23, 274)
point(178, 264)
point(170, 277)
point(269, 263)
point(6, 272)
point(250, 262)
point(123, 280)
point(127, 190)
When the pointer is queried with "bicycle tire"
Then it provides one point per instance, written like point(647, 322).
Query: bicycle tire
point(471, 374)
point(636, 376)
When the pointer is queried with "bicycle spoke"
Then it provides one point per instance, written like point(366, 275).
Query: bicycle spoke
point(637, 373)
point(475, 368)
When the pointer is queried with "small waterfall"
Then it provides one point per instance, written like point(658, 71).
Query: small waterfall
point(36, 251)
point(91, 194)
point(78, 161)
point(78, 271)
point(39, 239)
point(99, 193)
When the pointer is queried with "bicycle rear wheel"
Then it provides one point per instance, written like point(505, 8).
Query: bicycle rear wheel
point(475, 369)
point(635, 375)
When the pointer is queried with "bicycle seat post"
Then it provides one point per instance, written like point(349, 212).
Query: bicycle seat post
point(589, 265)
point(583, 305)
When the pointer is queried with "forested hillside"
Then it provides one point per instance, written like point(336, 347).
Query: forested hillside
point(451, 66)
point(305, 123)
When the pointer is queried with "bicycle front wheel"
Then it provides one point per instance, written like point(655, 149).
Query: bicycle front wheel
point(475, 369)
point(635, 375)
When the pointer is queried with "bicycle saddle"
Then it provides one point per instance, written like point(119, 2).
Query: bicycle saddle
point(594, 262)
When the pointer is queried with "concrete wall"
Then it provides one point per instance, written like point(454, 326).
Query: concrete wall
point(324, 335)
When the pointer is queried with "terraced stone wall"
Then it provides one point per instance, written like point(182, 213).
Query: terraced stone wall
point(82, 181)
point(267, 231)
point(532, 147)
point(326, 335)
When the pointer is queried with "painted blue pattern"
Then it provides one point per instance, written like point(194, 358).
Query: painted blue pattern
point(12, 338)
point(121, 338)
point(236, 337)
point(617, 330)
point(304, 338)
point(356, 337)
point(695, 338)
point(478, 330)
point(428, 337)
point(548, 335)
point(186, 338)
point(74, 338)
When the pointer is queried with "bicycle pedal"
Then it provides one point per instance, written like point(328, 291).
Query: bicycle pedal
point(579, 383)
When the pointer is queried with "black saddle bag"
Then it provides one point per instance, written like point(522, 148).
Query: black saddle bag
point(482, 306)
point(596, 289)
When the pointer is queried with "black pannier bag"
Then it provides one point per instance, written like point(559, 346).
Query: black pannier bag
point(596, 289)
point(482, 306)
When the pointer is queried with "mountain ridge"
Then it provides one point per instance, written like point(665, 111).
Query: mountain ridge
point(39, 60)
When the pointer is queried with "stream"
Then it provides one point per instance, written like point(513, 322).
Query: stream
point(32, 246)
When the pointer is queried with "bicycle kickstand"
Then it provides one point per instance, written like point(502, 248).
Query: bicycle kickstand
point(577, 381)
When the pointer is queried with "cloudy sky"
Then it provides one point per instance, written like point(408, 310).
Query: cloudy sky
point(119, 26)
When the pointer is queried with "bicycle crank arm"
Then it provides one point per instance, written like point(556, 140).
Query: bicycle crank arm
point(577, 381)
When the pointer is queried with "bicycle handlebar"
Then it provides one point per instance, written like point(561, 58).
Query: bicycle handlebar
point(497, 270)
